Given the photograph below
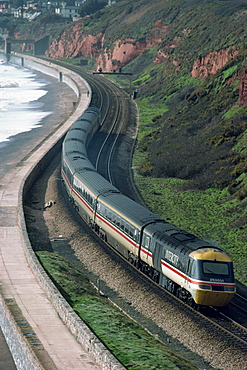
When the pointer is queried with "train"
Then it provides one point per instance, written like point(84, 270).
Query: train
point(194, 270)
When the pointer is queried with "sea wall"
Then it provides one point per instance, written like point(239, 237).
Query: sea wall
point(48, 68)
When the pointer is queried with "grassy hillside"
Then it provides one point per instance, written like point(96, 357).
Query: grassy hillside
point(191, 151)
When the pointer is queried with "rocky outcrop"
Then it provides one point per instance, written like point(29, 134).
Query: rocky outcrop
point(122, 53)
point(243, 90)
point(212, 62)
point(164, 56)
point(74, 43)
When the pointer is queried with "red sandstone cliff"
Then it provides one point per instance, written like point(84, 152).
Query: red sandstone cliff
point(212, 62)
point(73, 42)
point(243, 90)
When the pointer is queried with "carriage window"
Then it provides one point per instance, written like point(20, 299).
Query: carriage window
point(113, 218)
point(132, 231)
point(122, 224)
point(117, 221)
point(103, 211)
point(127, 228)
point(147, 242)
point(137, 235)
point(152, 246)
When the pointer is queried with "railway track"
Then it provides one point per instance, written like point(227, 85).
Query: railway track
point(211, 318)
point(118, 130)
point(236, 332)
point(219, 326)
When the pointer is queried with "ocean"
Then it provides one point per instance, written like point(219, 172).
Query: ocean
point(32, 106)
point(20, 110)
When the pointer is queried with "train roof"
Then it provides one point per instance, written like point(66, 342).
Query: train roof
point(79, 130)
point(93, 181)
point(91, 110)
point(79, 163)
point(129, 210)
point(113, 199)
point(178, 239)
point(74, 145)
point(89, 114)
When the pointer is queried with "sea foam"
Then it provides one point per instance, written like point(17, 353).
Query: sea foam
point(20, 110)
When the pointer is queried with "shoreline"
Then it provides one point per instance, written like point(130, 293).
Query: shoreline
point(58, 100)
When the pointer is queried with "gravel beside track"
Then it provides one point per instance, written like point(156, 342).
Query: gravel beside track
point(59, 231)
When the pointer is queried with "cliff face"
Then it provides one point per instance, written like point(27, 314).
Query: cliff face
point(122, 53)
point(73, 43)
point(176, 35)
point(212, 62)
point(243, 89)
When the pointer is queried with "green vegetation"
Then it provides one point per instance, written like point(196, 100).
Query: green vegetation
point(134, 347)
point(216, 215)
point(77, 62)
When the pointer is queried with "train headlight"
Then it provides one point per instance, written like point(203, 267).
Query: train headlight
point(205, 287)
point(229, 289)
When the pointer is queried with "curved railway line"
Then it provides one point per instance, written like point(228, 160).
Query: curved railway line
point(118, 128)
point(118, 119)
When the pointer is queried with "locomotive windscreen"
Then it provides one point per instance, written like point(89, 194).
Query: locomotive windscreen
point(216, 268)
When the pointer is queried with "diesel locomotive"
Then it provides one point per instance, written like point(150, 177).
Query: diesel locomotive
point(193, 269)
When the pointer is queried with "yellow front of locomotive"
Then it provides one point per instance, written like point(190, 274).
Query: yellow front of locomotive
point(211, 278)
